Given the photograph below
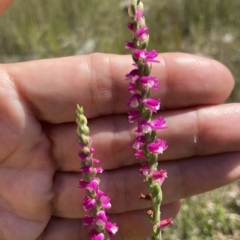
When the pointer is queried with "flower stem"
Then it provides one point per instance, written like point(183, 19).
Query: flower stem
point(95, 201)
point(146, 144)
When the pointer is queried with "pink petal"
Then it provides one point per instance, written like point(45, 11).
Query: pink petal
point(111, 228)
point(133, 115)
point(152, 104)
point(138, 142)
point(157, 147)
point(165, 223)
point(159, 176)
point(145, 169)
point(129, 45)
point(134, 101)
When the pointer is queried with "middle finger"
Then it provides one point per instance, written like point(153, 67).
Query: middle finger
point(190, 132)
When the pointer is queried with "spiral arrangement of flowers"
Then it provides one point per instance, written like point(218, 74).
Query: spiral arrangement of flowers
point(96, 201)
point(146, 143)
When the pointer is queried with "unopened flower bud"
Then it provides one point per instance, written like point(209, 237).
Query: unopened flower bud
point(85, 139)
point(132, 9)
point(140, 6)
point(85, 129)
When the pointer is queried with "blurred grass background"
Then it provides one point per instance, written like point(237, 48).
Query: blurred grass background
point(33, 29)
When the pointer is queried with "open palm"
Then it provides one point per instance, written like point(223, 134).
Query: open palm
point(39, 167)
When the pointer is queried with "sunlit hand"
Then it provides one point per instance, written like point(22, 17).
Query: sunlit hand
point(39, 166)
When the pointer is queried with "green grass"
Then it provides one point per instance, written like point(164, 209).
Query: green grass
point(43, 29)
point(210, 216)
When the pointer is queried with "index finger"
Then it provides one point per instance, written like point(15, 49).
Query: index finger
point(53, 87)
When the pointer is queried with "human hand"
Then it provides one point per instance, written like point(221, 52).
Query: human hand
point(4, 4)
point(39, 166)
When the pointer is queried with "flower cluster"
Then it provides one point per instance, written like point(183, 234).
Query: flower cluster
point(96, 201)
point(146, 144)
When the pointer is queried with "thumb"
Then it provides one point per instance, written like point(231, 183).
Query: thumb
point(4, 4)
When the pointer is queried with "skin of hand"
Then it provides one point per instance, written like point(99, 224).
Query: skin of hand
point(4, 4)
point(39, 166)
